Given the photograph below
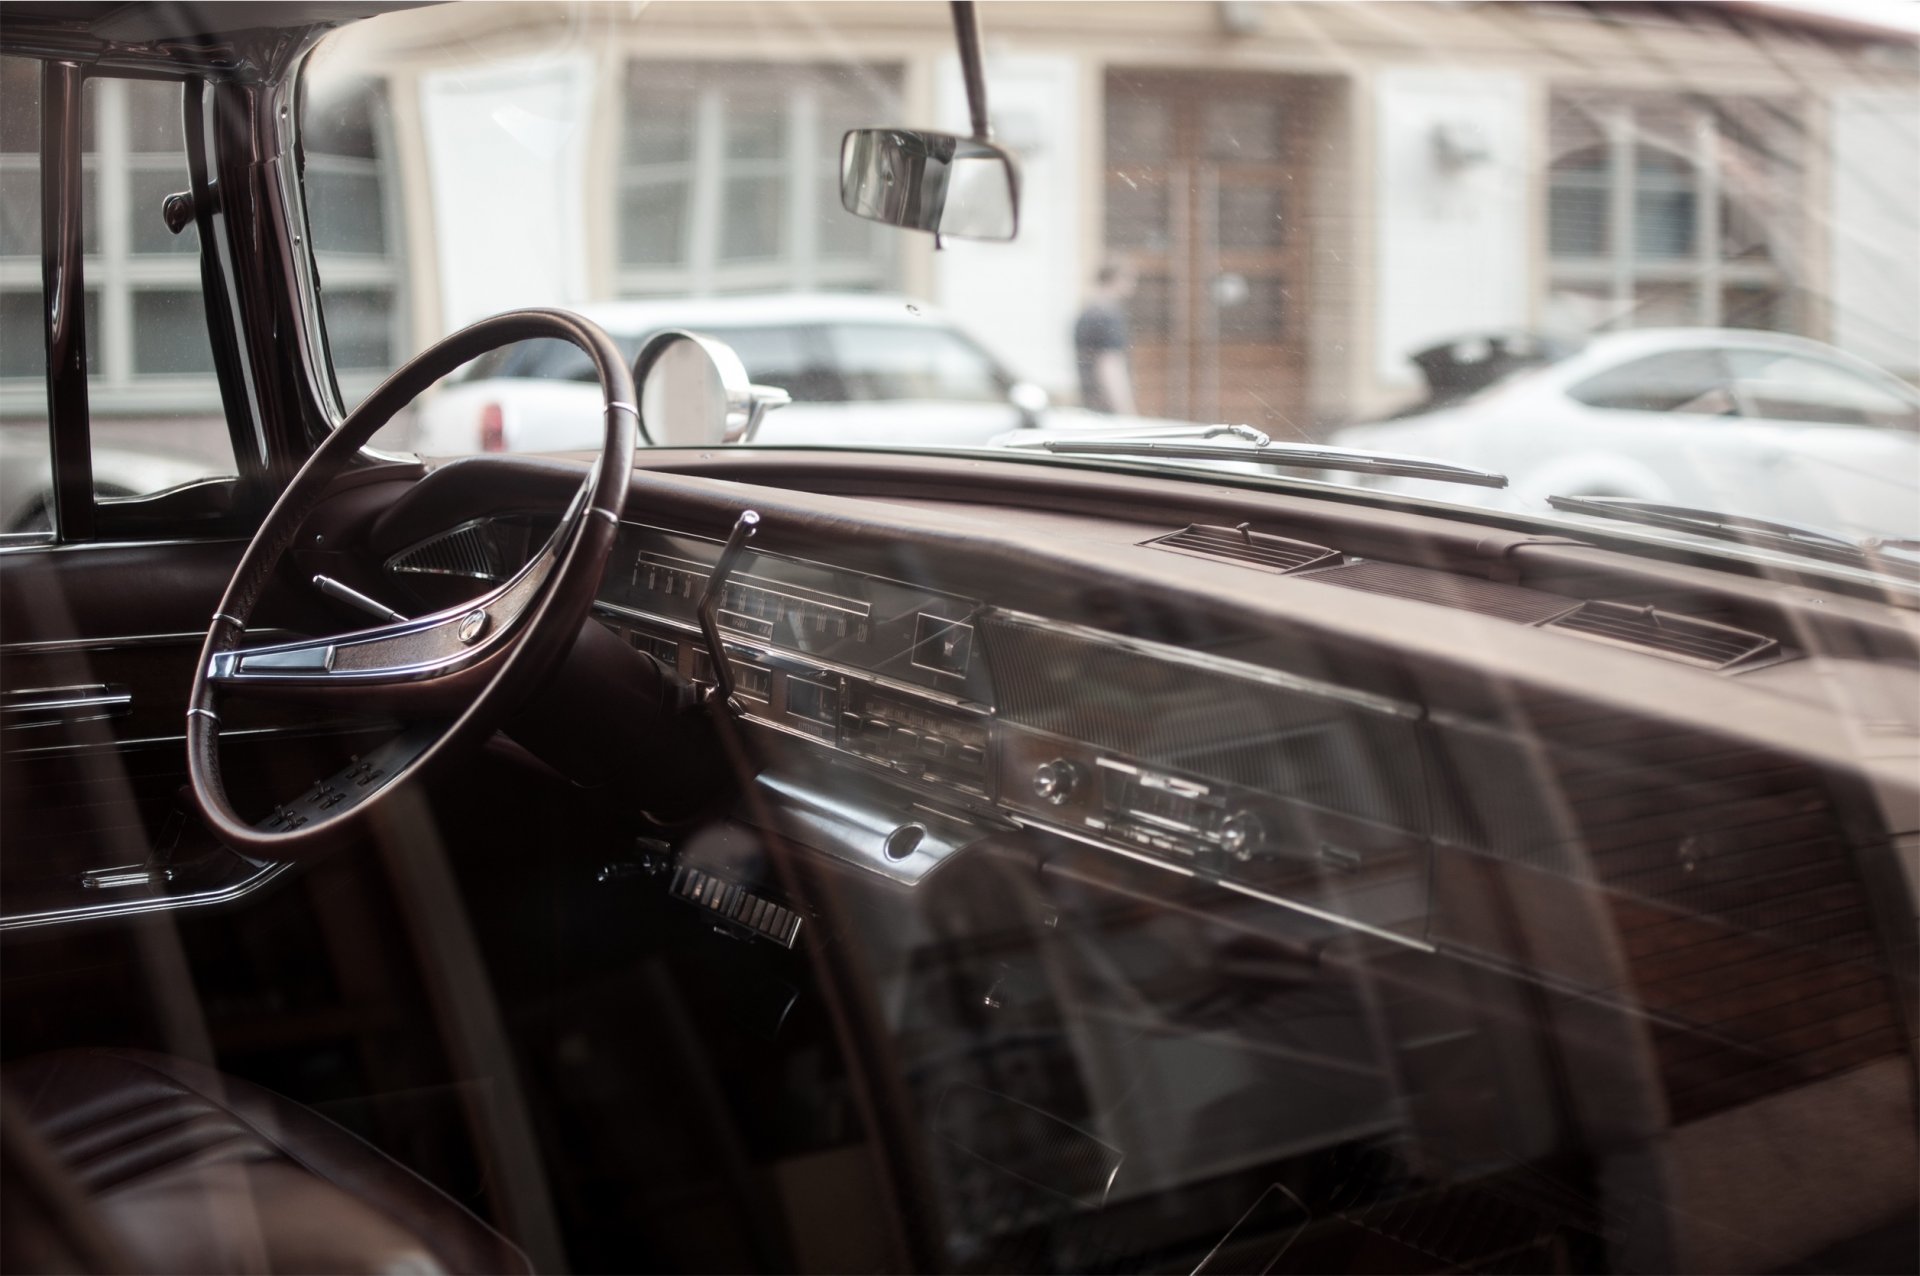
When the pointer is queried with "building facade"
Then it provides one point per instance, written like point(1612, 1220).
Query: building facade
point(1308, 193)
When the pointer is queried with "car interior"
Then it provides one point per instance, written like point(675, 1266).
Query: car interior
point(782, 859)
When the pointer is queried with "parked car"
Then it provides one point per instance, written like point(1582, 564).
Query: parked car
point(26, 476)
point(861, 369)
point(1755, 423)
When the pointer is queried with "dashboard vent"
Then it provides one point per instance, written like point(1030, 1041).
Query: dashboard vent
point(1245, 546)
point(1685, 638)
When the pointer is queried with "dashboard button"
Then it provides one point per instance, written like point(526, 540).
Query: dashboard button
point(1241, 834)
point(1055, 782)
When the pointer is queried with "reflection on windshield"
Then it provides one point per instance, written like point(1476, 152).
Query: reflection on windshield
point(1546, 266)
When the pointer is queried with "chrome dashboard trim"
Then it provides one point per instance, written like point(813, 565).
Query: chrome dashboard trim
point(1252, 892)
point(260, 875)
point(54, 646)
point(792, 661)
point(1223, 665)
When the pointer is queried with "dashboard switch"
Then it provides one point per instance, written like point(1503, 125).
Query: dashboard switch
point(1241, 834)
point(1056, 781)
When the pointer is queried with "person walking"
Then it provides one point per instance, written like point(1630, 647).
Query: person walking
point(1103, 342)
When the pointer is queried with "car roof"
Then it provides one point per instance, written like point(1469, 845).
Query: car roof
point(634, 318)
point(1617, 345)
point(1612, 349)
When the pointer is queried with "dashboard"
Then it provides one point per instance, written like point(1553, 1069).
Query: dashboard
point(1324, 722)
point(955, 717)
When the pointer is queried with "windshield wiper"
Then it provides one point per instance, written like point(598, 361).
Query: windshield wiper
point(1197, 444)
point(1762, 533)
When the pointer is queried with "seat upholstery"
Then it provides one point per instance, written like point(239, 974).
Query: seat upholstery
point(193, 1171)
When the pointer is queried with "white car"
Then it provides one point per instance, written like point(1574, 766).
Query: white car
point(861, 369)
point(1741, 422)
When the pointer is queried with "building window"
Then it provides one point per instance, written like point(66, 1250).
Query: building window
point(729, 178)
point(346, 141)
point(1665, 211)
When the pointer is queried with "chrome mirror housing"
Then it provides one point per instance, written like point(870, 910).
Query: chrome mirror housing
point(694, 392)
point(941, 183)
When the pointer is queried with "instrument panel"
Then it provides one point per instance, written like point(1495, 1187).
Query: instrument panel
point(966, 715)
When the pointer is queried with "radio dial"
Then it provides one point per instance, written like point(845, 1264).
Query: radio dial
point(1054, 782)
point(1241, 834)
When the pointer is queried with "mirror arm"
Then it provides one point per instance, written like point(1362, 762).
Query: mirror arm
point(966, 31)
point(765, 399)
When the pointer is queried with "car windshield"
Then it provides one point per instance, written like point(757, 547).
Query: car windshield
point(1497, 236)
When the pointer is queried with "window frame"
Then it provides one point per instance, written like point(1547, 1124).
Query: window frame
point(703, 268)
point(1621, 270)
point(212, 508)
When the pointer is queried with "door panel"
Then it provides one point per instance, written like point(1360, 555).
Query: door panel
point(97, 649)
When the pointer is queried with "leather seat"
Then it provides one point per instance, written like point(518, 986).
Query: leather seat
point(193, 1171)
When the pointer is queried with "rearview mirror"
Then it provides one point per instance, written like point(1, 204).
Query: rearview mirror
point(694, 392)
point(936, 182)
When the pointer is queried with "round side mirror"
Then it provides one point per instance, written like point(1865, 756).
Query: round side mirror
point(694, 390)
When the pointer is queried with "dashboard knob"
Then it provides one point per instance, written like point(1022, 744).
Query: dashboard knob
point(1241, 834)
point(1056, 781)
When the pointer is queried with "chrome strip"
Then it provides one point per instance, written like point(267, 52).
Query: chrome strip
point(57, 645)
point(235, 621)
point(607, 514)
point(786, 659)
point(615, 404)
point(205, 713)
point(260, 876)
point(149, 741)
point(69, 547)
point(1209, 663)
point(1293, 905)
point(33, 707)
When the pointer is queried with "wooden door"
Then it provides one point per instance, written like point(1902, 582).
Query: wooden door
point(1207, 187)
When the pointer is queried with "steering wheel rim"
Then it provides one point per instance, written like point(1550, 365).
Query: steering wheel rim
point(526, 625)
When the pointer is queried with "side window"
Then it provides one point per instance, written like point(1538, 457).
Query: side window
point(1790, 387)
point(25, 473)
point(1691, 381)
point(892, 362)
point(157, 419)
point(156, 415)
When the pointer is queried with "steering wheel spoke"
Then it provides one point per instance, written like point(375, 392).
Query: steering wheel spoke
point(409, 651)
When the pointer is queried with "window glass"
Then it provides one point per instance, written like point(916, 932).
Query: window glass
point(155, 403)
point(881, 362)
point(346, 143)
point(1790, 387)
point(1684, 380)
point(25, 476)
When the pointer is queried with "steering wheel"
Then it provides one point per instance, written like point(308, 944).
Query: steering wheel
point(472, 664)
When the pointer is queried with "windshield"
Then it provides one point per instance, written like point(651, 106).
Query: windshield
point(1499, 236)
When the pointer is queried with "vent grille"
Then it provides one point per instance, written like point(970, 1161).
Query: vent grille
point(1245, 546)
point(1684, 638)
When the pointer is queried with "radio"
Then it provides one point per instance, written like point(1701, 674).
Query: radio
point(1171, 814)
